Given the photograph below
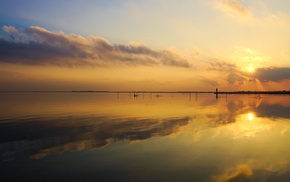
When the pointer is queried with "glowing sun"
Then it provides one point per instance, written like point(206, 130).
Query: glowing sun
point(250, 69)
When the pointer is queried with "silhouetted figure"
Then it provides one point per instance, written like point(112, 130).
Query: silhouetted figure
point(216, 93)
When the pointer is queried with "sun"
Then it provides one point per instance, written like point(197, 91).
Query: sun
point(250, 69)
point(250, 116)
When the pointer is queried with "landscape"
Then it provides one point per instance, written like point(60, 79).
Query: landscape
point(149, 90)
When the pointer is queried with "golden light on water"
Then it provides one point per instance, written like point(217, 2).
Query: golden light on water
point(248, 125)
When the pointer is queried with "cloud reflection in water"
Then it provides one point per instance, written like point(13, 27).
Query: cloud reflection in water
point(45, 136)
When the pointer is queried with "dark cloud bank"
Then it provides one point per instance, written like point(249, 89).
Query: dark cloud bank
point(272, 74)
point(38, 46)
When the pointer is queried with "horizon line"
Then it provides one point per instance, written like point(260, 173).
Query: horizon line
point(139, 91)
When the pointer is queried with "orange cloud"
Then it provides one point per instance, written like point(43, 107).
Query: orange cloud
point(233, 6)
point(9, 28)
point(240, 173)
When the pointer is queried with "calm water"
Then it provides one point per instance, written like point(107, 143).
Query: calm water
point(175, 137)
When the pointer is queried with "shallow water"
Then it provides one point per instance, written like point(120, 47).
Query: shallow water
point(119, 137)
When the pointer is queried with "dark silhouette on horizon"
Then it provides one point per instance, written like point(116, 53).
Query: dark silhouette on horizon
point(217, 92)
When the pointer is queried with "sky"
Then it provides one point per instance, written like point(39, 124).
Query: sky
point(144, 45)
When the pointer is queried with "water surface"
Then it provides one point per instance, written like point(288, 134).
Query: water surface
point(119, 137)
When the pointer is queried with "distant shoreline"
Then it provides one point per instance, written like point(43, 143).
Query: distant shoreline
point(157, 92)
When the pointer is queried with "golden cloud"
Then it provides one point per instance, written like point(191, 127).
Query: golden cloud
point(233, 7)
point(239, 173)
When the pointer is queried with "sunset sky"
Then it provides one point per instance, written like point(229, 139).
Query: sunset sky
point(145, 45)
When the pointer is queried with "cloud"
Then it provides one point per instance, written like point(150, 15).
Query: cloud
point(233, 75)
point(240, 173)
point(9, 28)
point(272, 74)
point(235, 78)
point(13, 75)
point(217, 65)
point(38, 46)
point(210, 82)
point(233, 6)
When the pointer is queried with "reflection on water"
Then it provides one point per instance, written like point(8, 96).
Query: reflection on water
point(39, 137)
point(172, 137)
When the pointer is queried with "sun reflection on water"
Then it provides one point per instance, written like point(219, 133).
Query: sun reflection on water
point(248, 126)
